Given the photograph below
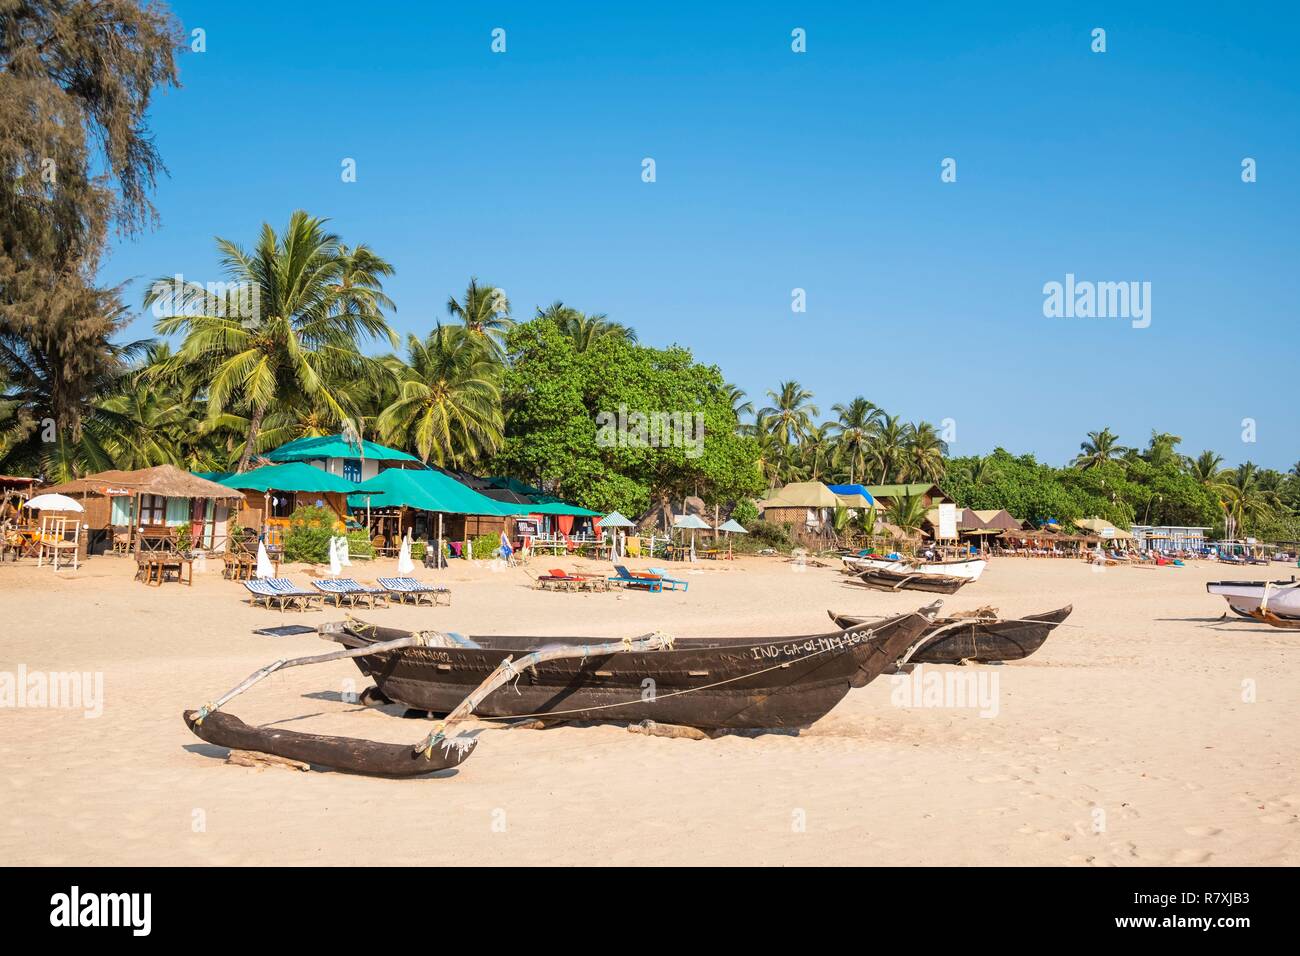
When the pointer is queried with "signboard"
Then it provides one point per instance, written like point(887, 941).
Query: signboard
point(947, 520)
point(1107, 532)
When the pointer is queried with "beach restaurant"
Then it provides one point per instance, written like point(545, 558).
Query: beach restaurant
point(118, 504)
point(434, 506)
point(274, 492)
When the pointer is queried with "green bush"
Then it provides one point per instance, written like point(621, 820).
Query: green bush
point(766, 534)
point(745, 512)
point(308, 537)
point(485, 546)
point(418, 549)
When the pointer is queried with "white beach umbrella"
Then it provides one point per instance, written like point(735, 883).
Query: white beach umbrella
point(54, 503)
point(265, 569)
point(404, 563)
point(343, 551)
point(336, 566)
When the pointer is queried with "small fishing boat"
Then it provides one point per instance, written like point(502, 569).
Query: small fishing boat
point(984, 639)
point(958, 568)
point(710, 683)
point(1260, 599)
point(909, 580)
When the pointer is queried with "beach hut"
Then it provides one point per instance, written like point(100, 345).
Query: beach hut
point(284, 488)
point(885, 495)
point(433, 505)
point(122, 502)
point(806, 506)
point(345, 456)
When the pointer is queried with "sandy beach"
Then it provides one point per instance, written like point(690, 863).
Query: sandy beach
point(1146, 731)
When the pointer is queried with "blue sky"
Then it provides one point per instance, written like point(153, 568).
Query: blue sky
point(777, 171)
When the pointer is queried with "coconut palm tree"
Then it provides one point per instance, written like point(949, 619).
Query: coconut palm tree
point(1161, 449)
point(47, 397)
point(485, 311)
point(853, 428)
point(740, 407)
point(1205, 468)
point(816, 451)
point(789, 417)
point(314, 301)
point(925, 451)
point(448, 407)
point(1100, 447)
point(585, 330)
point(1247, 500)
point(888, 454)
point(907, 512)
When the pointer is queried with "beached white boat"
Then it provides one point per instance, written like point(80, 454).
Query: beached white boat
point(963, 568)
point(1246, 597)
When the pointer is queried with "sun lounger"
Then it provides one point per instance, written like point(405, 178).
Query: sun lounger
point(625, 578)
point(279, 592)
point(561, 580)
point(673, 584)
point(346, 589)
point(400, 589)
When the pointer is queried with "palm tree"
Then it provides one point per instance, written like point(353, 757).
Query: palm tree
point(585, 330)
point(1100, 447)
point(740, 407)
point(316, 299)
point(485, 311)
point(449, 406)
point(47, 397)
point(1205, 468)
point(789, 417)
point(816, 450)
point(888, 454)
point(1161, 448)
point(1247, 501)
point(925, 451)
point(853, 429)
point(907, 512)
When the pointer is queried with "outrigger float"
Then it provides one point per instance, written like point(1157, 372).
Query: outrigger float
point(706, 683)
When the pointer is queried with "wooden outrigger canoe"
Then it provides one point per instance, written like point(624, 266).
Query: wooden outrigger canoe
point(699, 682)
point(884, 580)
point(709, 683)
point(954, 640)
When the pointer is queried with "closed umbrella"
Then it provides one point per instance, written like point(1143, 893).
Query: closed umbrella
point(336, 566)
point(404, 563)
point(265, 569)
point(343, 551)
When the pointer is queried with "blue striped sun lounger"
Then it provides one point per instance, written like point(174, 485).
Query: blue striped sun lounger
point(346, 589)
point(401, 589)
point(279, 592)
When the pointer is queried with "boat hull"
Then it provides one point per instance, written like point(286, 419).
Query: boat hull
point(911, 580)
point(958, 569)
point(705, 683)
point(953, 641)
point(1246, 597)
